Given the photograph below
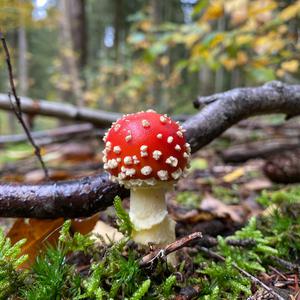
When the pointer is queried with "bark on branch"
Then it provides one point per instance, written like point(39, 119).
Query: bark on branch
point(85, 196)
point(55, 135)
point(221, 111)
point(68, 199)
point(64, 111)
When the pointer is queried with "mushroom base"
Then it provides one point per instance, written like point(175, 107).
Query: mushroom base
point(160, 234)
point(149, 216)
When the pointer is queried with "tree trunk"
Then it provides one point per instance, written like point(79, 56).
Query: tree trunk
point(118, 26)
point(22, 53)
point(156, 14)
point(71, 19)
point(78, 29)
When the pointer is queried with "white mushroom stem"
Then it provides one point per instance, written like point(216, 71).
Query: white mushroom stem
point(149, 215)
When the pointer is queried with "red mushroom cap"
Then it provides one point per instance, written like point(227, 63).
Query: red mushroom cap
point(144, 148)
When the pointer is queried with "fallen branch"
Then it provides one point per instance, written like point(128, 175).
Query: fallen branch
point(68, 199)
point(221, 111)
point(292, 267)
point(259, 149)
point(65, 111)
point(54, 135)
point(62, 111)
point(201, 129)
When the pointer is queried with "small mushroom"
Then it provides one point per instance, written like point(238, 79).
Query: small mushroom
point(147, 153)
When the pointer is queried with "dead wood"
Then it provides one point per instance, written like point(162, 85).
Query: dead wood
point(221, 111)
point(68, 199)
point(55, 135)
point(65, 111)
point(259, 149)
point(62, 111)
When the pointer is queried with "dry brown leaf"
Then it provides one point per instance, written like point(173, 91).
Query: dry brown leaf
point(190, 216)
point(219, 209)
point(77, 152)
point(37, 176)
point(85, 225)
point(258, 184)
point(38, 234)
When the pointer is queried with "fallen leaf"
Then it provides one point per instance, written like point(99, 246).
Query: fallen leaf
point(38, 234)
point(185, 215)
point(234, 175)
point(37, 176)
point(258, 184)
point(84, 225)
point(219, 209)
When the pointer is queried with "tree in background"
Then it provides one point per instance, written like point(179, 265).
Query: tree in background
point(126, 55)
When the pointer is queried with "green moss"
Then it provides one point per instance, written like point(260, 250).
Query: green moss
point(225, 194)
point(11, 279)
point(188, 199)
point(282, 225)
point(124, 223)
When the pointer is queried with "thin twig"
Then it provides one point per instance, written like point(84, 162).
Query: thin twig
point(163, 252)
point(16, 107)
point(209, 241)
point(286, 264)
point(245, 273)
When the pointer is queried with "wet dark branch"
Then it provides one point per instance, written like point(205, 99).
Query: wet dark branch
point(221, 111)
point(68, 199)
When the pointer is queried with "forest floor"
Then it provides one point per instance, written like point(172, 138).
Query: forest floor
point(250, 245)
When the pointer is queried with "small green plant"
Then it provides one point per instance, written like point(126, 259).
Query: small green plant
point(52, 277)
point(11, 279)
point(249, 259)
point(224, 282)
point(124, 223)
point(138, 295)
point(167, 286)
point(77, 242)
point(282, 223)
point(277, 233)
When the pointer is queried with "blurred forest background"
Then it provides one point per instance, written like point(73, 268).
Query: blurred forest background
point(123, 55)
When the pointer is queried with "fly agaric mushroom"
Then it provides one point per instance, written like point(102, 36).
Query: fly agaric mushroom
point(147, 152)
